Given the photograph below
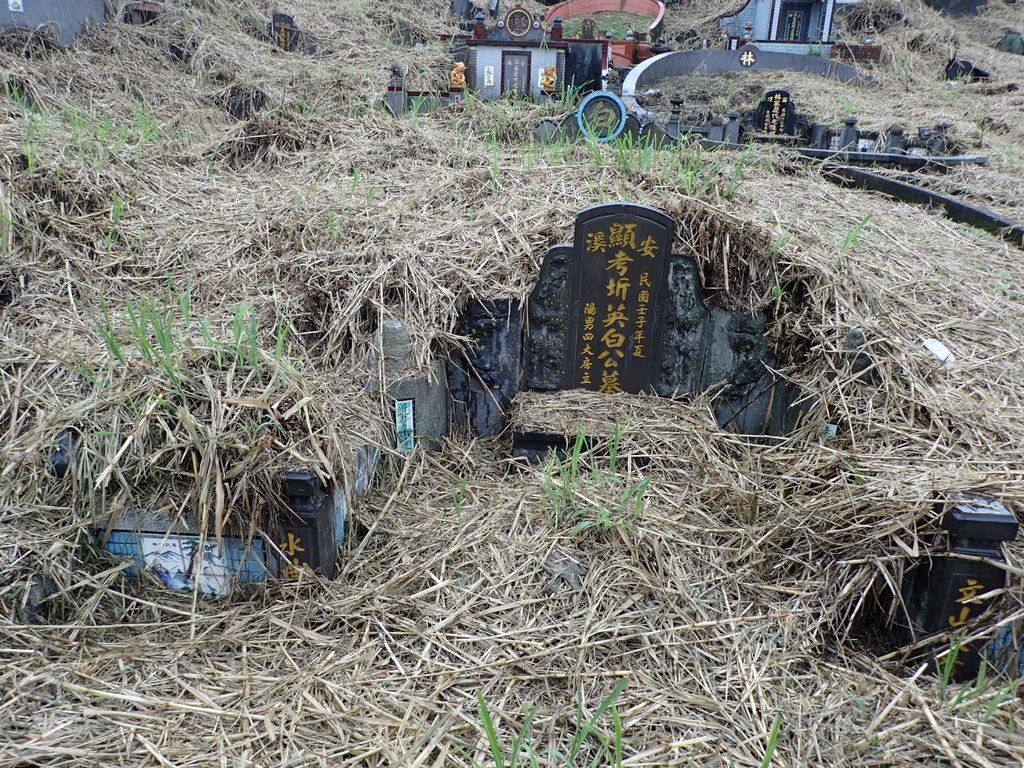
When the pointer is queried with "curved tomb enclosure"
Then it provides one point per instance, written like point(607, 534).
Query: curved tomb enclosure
point(749, 57)
point(576, 8)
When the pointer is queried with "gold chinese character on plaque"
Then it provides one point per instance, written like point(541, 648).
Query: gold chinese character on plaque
point(616, 316)
point(622, 235)
point(649, 247)
point(610, 381)
point(620, 263)
point(619, 287)
point(596, 242)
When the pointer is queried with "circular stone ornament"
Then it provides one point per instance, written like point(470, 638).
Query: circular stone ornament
point(601, 116)
point(519, 22)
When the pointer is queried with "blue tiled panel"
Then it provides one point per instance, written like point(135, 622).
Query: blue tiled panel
point(247, 565)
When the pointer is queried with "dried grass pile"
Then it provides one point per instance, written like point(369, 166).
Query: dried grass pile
point(197, 297)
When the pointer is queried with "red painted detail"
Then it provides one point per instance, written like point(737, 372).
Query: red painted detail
point(574, 8)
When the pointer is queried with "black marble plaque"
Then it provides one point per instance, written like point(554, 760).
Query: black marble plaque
point(284, 32)
point(515, 73)
point(617, 293)
point(776, 115)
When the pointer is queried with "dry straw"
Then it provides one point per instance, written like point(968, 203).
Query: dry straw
point(197, 297)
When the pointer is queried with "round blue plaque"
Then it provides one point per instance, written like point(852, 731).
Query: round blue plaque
point(601, 116)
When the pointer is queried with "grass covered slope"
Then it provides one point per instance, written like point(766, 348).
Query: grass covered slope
point(198, 296)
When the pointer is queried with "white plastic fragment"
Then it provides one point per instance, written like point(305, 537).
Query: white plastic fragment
point(940, 350)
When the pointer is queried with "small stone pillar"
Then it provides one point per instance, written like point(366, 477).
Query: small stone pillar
point(819, 136)
point(849, 134)
point(556, 30)
point(938, 143)
point(479, 29)
point(732, 127)
point(673, 121)
point(944, 590)
point(418, 404)
point(306, 534)
point(896, 141)
point(716, 131)
point(61, 458)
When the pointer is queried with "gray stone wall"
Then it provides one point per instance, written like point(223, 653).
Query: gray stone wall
point(66, 18)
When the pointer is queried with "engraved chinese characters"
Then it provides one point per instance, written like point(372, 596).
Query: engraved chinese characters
point(776, 114)
point(617, 279)
point(601, 116)
point(284, 31)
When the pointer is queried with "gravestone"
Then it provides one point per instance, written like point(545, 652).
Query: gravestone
point(284, 32)
point(618, 276)
point(1012, 42)
point(776, 114)
point(962, 69)
point(619, 312)
point(142, 13)
point(957, 8)
point(588, 29)
point(306, 530)
point(947, 590)
point(584, 64)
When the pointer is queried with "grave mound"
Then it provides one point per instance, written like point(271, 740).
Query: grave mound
point(221, 331)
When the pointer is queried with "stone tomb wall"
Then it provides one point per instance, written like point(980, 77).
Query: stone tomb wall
point(618, 311)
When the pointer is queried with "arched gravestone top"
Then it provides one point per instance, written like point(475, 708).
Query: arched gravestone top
point(749, 57)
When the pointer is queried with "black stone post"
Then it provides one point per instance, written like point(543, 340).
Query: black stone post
point(61, 458)
point(944, 590)
point(848, 135)
point(485, 380)
point(819, 136)
point(673, 122)
point(938, 142)
point(732, 127)
point(306, 528)
point(896, 141)
point(556, 30)
point(717, 130)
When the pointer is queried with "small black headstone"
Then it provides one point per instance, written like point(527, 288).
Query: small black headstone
point(584, 63)
point(306, 535)
point(1012, 42)
point(962, 69)
point(776, 115)
point(617, 276)
point(945, 591)
point(284, 32)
